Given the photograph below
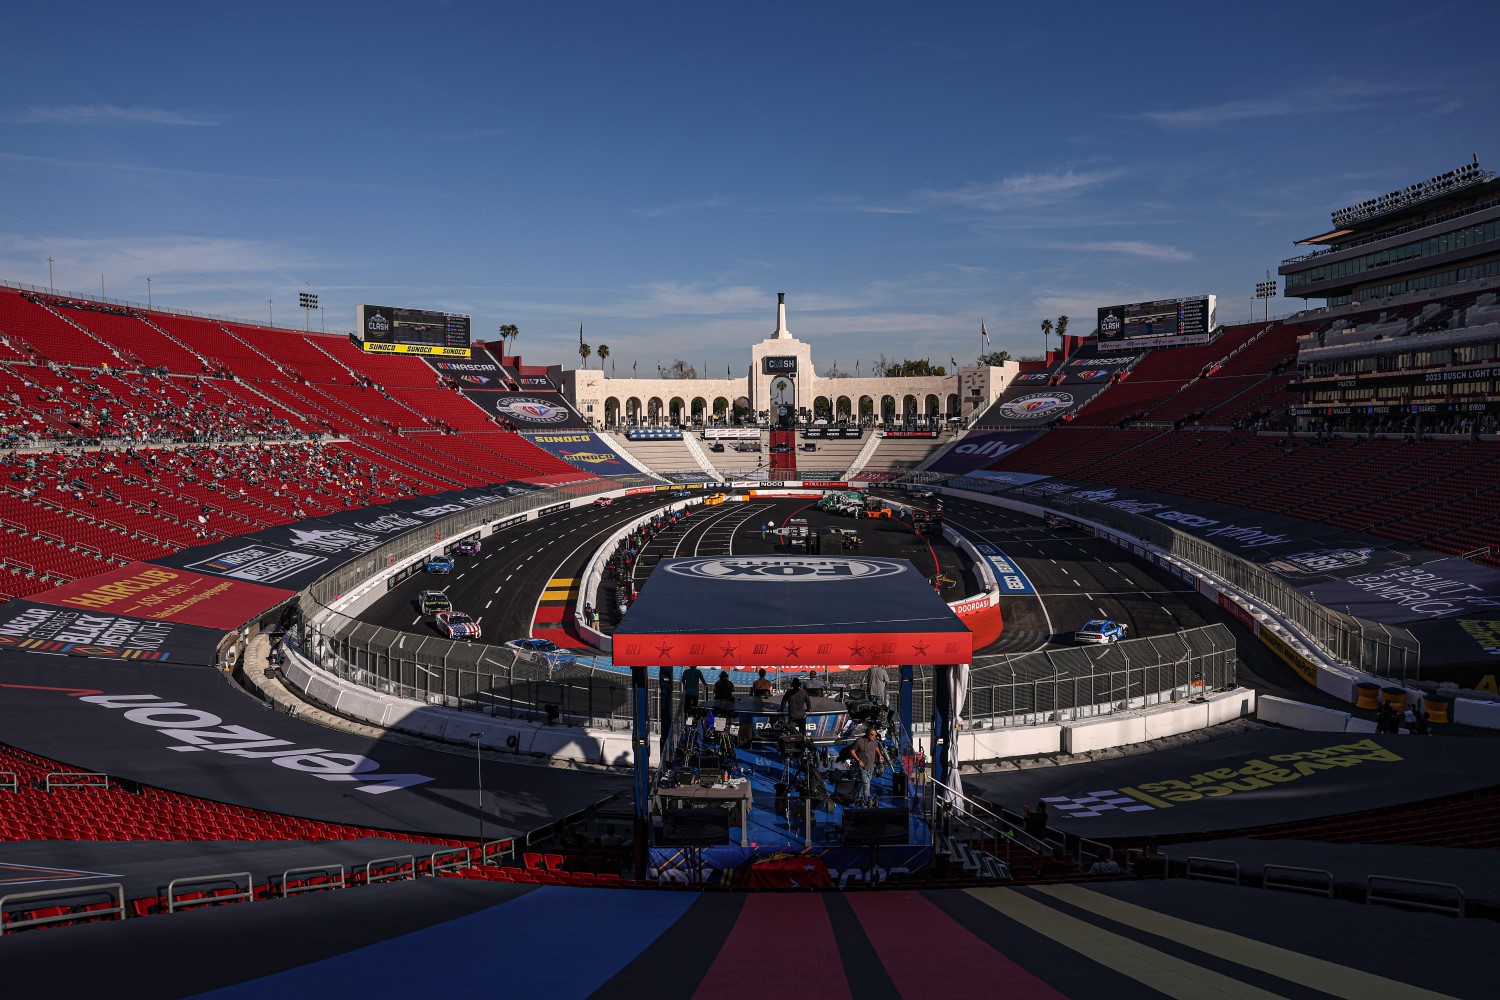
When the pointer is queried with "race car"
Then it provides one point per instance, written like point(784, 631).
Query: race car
point(682, 493)
point(433, 601)
point(541, 651)
point(439, 564)
point(467, 547)
point(922, 494)
point(457, 625)
point(1100, 630)
point(603, 501)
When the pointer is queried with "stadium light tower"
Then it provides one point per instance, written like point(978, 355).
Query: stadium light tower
point(50, 286)
point(1266, 291)
point(148, 291)
point(309, 303)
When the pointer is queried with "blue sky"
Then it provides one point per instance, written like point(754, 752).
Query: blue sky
point(658, 172)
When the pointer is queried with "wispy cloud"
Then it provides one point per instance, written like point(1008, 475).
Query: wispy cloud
point(679, 207)
point(109, 114)
point(1131, 248)
point(177, 172)
point(1319, 99)
point(1022, 190)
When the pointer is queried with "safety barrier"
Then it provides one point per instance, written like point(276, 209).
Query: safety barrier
point(1286, 879)
point(1413, 898)
point(459, 854)
point(175, 902)
point(56, 913)
point(75, 779)
point(1213, 870)
point(407, 870)
point(318, 872)
point(9, 781)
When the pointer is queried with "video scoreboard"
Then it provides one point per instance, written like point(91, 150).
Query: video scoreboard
point(390, 330)
point(1162, 323)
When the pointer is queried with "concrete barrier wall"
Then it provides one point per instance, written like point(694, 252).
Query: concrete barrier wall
point(1028, 741)
point(1142, 727)
point(1298, 715)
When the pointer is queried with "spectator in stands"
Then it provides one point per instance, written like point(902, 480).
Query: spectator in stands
point(1035, 819)
point(692, 688)
point(723, 687)
point(1106, 865)
point(762, 686)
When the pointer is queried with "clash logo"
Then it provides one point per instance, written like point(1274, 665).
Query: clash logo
point(531, 410)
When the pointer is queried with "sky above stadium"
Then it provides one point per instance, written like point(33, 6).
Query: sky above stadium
point(658, 172)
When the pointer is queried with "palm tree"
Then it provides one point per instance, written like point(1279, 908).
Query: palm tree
point(1046, 333)
point(583, 352)
point(1062, 329)
point(509, 330)
point(603, 353)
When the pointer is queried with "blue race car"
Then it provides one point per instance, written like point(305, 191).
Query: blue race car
point(541, 652)
point(1100, 630)
point(467, 547)
point(440, 564)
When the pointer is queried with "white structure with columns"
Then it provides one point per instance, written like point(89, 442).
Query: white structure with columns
point(613, 402)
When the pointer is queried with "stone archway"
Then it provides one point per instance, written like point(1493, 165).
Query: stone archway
point(953, 410)
point(721, 409)
point(888, 409)
point(634, 410)
point(842, 408)
point(612, 414)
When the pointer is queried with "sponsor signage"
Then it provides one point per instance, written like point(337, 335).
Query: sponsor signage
point(981, 448)
point(1238, 612)
point(833, 431)
point(162, 593)
point(553, 509)
point(39, 628)
point(583, 450)
point(457, 368)
point(1007, 574)
point(727, 433)
point(374, 347)
point(1441, 588)
point(1036, 406)
point(1305, 668)
point(527, 411)
point(509, 522)
point(786, 569)
point(778, 364)
point(911, 434)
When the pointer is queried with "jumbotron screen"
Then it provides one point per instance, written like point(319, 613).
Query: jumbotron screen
point(390, 330)
point(1162, 323)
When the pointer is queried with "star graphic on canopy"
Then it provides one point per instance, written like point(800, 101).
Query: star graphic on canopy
point(792, 650)
point(920, 647)
point(857, 650)
point(664, 649)
point(729, 650)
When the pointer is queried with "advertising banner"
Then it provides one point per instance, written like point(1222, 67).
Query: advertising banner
point(981, 448)
point(161, 593)
point(527, 411)
point(584, 450)
point(1034, 406)
point(38, 628)
point(726, 433)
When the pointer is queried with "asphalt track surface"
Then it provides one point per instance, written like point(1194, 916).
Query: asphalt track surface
point(1077, 577)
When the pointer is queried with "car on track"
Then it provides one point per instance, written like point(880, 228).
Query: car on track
point(467, 547)
point(439, 564)
point(682, 493)
point(603, 501)
point(457, 625)
point(1100, 630)
point(433, 601)
point(922, 494)
point(541, 652)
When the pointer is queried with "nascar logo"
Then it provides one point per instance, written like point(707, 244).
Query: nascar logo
point(1093, 373)
point(1036, 405)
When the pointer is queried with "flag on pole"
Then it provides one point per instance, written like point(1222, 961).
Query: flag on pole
point(984, 333)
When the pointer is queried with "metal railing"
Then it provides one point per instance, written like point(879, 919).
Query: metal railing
point(115, 907)
point(176, 902)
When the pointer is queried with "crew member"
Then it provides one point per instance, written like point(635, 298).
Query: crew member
point(814, 684)
point(875, 681)
point(795, 705)
point(866, 754)
point(723, 687)
point(762, 686)
point(692, 688)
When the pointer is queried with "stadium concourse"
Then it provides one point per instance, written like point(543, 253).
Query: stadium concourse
point(176, 483)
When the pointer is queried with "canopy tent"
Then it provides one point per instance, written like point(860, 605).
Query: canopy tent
point(789, 611)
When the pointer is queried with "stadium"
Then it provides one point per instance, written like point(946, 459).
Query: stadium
point(394, 660)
